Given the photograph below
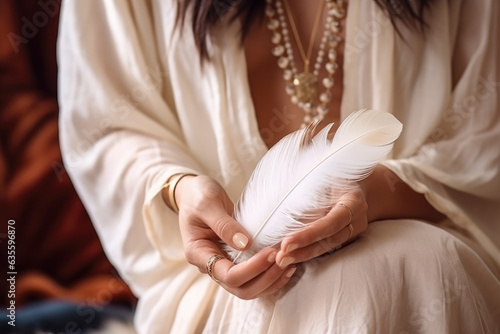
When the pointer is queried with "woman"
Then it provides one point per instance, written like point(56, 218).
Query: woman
point(168, 106)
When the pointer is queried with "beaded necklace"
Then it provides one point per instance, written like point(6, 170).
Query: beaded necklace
point(304, 87)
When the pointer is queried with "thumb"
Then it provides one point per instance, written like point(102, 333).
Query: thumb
point(228, 229)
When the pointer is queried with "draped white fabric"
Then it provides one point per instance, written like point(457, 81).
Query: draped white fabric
point(137, 107)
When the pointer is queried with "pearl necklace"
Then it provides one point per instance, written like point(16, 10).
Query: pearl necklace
point(303, 88)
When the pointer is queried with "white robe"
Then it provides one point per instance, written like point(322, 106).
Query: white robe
point(137, 107)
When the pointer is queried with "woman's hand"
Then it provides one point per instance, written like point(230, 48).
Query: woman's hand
point(205, 218)
point(382, 195)
point(343, 223)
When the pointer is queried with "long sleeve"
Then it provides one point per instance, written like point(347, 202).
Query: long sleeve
point(121, 139)
point(449, 148)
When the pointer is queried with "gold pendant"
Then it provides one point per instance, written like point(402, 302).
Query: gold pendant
point(306, 87)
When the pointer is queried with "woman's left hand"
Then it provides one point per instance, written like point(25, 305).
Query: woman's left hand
point(388, 198)
point(343, 223)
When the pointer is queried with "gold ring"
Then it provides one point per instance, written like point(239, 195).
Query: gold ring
point(351, 214)
point(211, 264)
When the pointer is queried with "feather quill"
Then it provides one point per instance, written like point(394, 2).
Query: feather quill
point(302, 176)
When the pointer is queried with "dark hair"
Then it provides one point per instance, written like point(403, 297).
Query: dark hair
point(207, 13)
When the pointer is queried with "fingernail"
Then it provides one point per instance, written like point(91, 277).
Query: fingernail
point(291, 248)
point(240, 240)
point(272, 257)
point(286, 261)
point(290, 272)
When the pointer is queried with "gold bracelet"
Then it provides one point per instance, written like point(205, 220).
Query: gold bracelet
point(171, 184)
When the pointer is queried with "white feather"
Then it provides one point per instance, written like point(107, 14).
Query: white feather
point(301, 177)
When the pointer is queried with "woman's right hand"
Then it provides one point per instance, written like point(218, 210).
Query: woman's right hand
point(205, 218)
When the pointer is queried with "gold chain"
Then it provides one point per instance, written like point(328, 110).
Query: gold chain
point(319, 12)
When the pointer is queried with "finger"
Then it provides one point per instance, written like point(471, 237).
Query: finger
point(268, 281)
point(336, 219)
point(210, 206)
point(331, 224)
point(199, 251)
point(279, 283)
point(257, 286)
point(228, 229)
point(234, 276)
point(320, 247)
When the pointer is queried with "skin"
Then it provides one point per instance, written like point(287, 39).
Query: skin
point(204, 219)
point(205, 208)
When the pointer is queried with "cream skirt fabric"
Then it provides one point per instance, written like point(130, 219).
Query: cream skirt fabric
point(402, 276)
